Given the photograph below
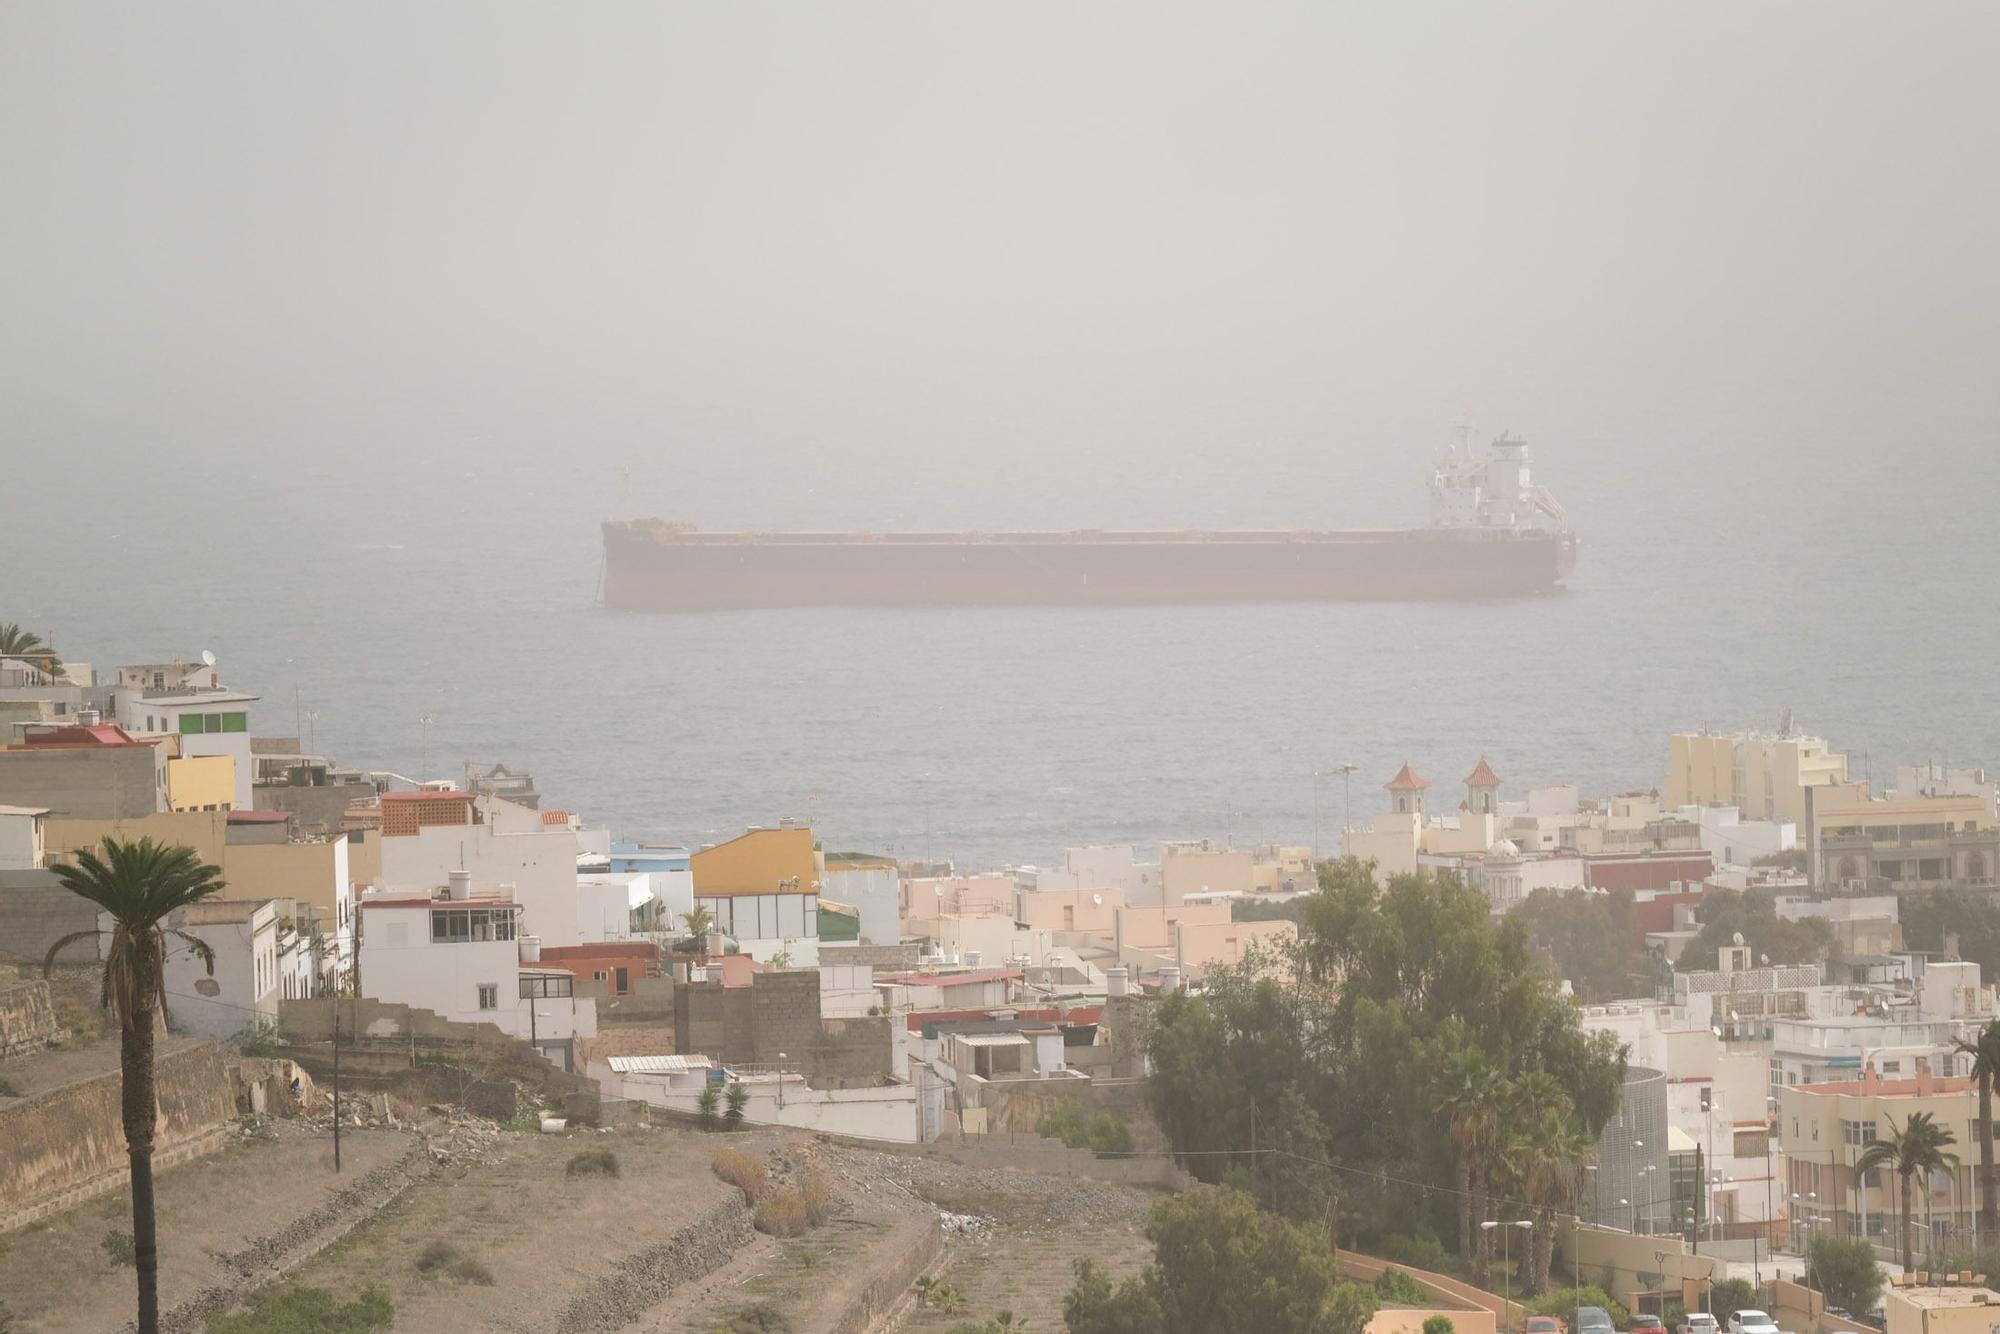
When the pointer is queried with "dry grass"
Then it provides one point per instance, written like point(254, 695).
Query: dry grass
point(783, 1213)
point(817, 1198)
point(599, 1162)
point(741, 1171)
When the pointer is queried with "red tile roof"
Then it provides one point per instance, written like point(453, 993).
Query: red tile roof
point(555, 817)
point(950, 979)
point(97, 734)
point(1482, 776)
point(1406, 780)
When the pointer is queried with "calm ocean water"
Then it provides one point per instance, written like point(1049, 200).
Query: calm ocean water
point(373, 588)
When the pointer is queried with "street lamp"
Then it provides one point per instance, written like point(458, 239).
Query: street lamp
point(1506, 1268)
point(781, 1081)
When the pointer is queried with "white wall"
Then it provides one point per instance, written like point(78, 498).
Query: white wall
point(888, 1113)
point(246, 977)
point(538, 866)
point(876, 891)
point(604, 903)
point(20, 842)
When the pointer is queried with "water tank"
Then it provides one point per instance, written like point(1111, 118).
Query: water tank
point(458, 886)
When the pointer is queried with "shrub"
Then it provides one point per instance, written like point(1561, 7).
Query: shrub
point(1438, 1324)
point(1108, 1135)
point(118, 1245)
point(1393, 1285)
point(441, 1259)
point(705, 1105)
point(1564, 1301)
point(741, 1171)
point(599, 1162)
point(1102, 1133)
point(1732, 1294)
point(8, 1088)
point(759, 1319)
point(937, 1294)
point(294, 1310)
point(259, 1039)
point(737, 1098)
point(1844, 1268)
point(782, 1213)
point(1422, 1251)
point(817, 1197)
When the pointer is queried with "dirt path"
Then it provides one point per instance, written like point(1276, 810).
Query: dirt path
point(217, 1217)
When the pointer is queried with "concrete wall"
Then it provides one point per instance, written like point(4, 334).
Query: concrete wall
point(201, 783)
point(207, 832)
point(27, 1019)
point(312, 873)
point(69, 1144)
point(882, 1113)
point(87, 782)
point(878, 956)
point(1410, 1320)
point(316, 810)
point(872, 888)
point(36, 912)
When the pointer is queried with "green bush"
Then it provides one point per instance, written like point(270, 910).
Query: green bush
point(1844, 1268)
point(295, 1310)
point(1438, 1324)
point(1102, 1133)
point(118, 1245)
point(735, 1100)
point(705, 1105)
point(1564, 1301)
point(441, 1259)
point(1731, 1294)
point(1422, 1251)
point(1396, 1287)
point(598, 1162)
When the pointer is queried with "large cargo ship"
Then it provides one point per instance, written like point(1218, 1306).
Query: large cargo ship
point(1493, 533)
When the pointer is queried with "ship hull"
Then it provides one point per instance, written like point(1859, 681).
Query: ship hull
point(647, 570)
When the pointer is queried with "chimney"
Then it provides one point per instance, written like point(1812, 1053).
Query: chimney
point(459, 886)
point(1117, 980)
point(1170, 979)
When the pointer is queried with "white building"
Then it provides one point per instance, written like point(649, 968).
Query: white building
point(510, 850)
point(1936, 780)
point(22, 844)
point(187, 699)
point(244, 989)
point(1735, 841)
point(618, 905)
point(460, 957)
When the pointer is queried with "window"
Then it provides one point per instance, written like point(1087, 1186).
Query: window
point(546, 986)
point(489, 996)
point(1858, 1133)
point(354, 836)
point(190, 724)
point(235, 722)
point(1707, 1097)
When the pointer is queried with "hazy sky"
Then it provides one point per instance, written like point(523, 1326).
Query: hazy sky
point(993, 235)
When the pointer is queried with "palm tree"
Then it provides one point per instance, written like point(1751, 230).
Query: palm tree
point(699, 923)
point(1469, 1098)
point(1551, 1149)
point(1918, 1147)
point(139, 885)
point(18, 643)
point(1985, 1052)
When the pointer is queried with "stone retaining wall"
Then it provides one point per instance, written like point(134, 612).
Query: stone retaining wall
point(27, 1019)
point(883, 1291)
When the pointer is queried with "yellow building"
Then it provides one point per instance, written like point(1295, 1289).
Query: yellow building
point(1763, 776)
point(1823, 1128)
point(207, 832)
point(1941, 1310)
point(1900, 842)
point(762, 888)
point(201, 783)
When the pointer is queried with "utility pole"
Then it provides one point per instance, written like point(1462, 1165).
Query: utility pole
point(1700, 1187)
point(336, 1085)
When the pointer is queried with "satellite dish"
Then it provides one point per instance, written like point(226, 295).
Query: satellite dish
point(208, 657)
point(1097, 899)
point(208, 986)
point(1736, 939)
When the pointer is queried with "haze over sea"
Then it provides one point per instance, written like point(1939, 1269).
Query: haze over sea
point(336, 376)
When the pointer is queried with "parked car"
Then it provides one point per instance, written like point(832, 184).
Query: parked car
point(1648, 1324)
point(1544, 1324)
point(1699, 1322)
point(1748, 1321)
point(1594, 1320)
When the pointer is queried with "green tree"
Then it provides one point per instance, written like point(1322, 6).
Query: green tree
point(1470, 1097)
point(1917, 1146)
point(1753, 914)
point(699, 923)
point(1985, 1052)
point(1551, 1150)
point(734, 1101)
point(1845, 1269)
point(1438, 1324)
point(139, 886)
point(18, 643)
point(1587, 936)
point(1972, 917)
point(1094, 1307)
point(705, 1104)
point(1348, 1310)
